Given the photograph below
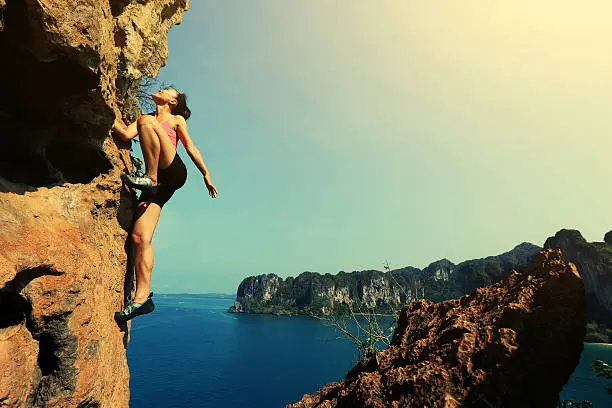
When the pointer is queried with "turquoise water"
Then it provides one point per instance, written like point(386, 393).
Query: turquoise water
point(191, 353)
point(584, 384)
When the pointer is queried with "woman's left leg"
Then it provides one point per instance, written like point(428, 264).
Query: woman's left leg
point(142, 237)
point(157, 149)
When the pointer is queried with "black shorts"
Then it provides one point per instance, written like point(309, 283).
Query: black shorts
point(170, 179)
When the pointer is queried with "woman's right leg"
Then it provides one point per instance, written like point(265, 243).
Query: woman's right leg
point(142, 237)
point(157, 149)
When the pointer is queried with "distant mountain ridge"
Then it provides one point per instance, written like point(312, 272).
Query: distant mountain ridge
point(312, 292)
point(315, 293)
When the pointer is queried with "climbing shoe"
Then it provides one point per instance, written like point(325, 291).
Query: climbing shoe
point(140, 183)
point(134, 309)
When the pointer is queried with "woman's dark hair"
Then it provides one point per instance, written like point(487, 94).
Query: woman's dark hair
point(181, 106)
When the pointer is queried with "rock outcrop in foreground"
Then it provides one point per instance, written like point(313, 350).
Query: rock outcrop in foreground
point(68, 68)
point(512, 344)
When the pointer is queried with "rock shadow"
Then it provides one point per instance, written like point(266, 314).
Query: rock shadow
point(126, 215)
point(57, 345)
point(45, 144)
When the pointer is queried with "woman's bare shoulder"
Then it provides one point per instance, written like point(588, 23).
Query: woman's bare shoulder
point(179, 120)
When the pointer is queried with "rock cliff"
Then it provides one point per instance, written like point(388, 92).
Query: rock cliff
point(439, 281)
point(311, 292)
point(512, 344)
point(68, 68)
point(594, 262)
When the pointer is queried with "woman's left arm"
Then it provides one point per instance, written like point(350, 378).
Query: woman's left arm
point(194, 154)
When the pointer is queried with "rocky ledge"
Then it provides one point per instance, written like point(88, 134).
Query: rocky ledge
point(512, 344)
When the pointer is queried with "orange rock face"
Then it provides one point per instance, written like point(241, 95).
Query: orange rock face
point(68, 68)
point(2, 6)
point(512, 344)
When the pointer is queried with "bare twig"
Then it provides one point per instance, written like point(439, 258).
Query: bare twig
point(367, 332)
point(148, 86)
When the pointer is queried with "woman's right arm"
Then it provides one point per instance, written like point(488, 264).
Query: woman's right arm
point(125, 133)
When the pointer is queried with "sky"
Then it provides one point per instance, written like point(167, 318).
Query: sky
point(344, 134)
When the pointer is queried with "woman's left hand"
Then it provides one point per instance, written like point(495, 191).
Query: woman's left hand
point(212, 190)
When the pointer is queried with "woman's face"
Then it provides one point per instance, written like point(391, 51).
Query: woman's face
point(165, 96)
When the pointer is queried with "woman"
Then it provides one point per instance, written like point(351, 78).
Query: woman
point(166, 173)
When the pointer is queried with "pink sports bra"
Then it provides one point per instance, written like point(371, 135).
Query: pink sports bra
point(171, 133)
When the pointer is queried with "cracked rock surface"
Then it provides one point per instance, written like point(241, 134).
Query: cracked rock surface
point(70, 68)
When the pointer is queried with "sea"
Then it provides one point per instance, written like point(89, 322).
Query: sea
point(191, 353)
